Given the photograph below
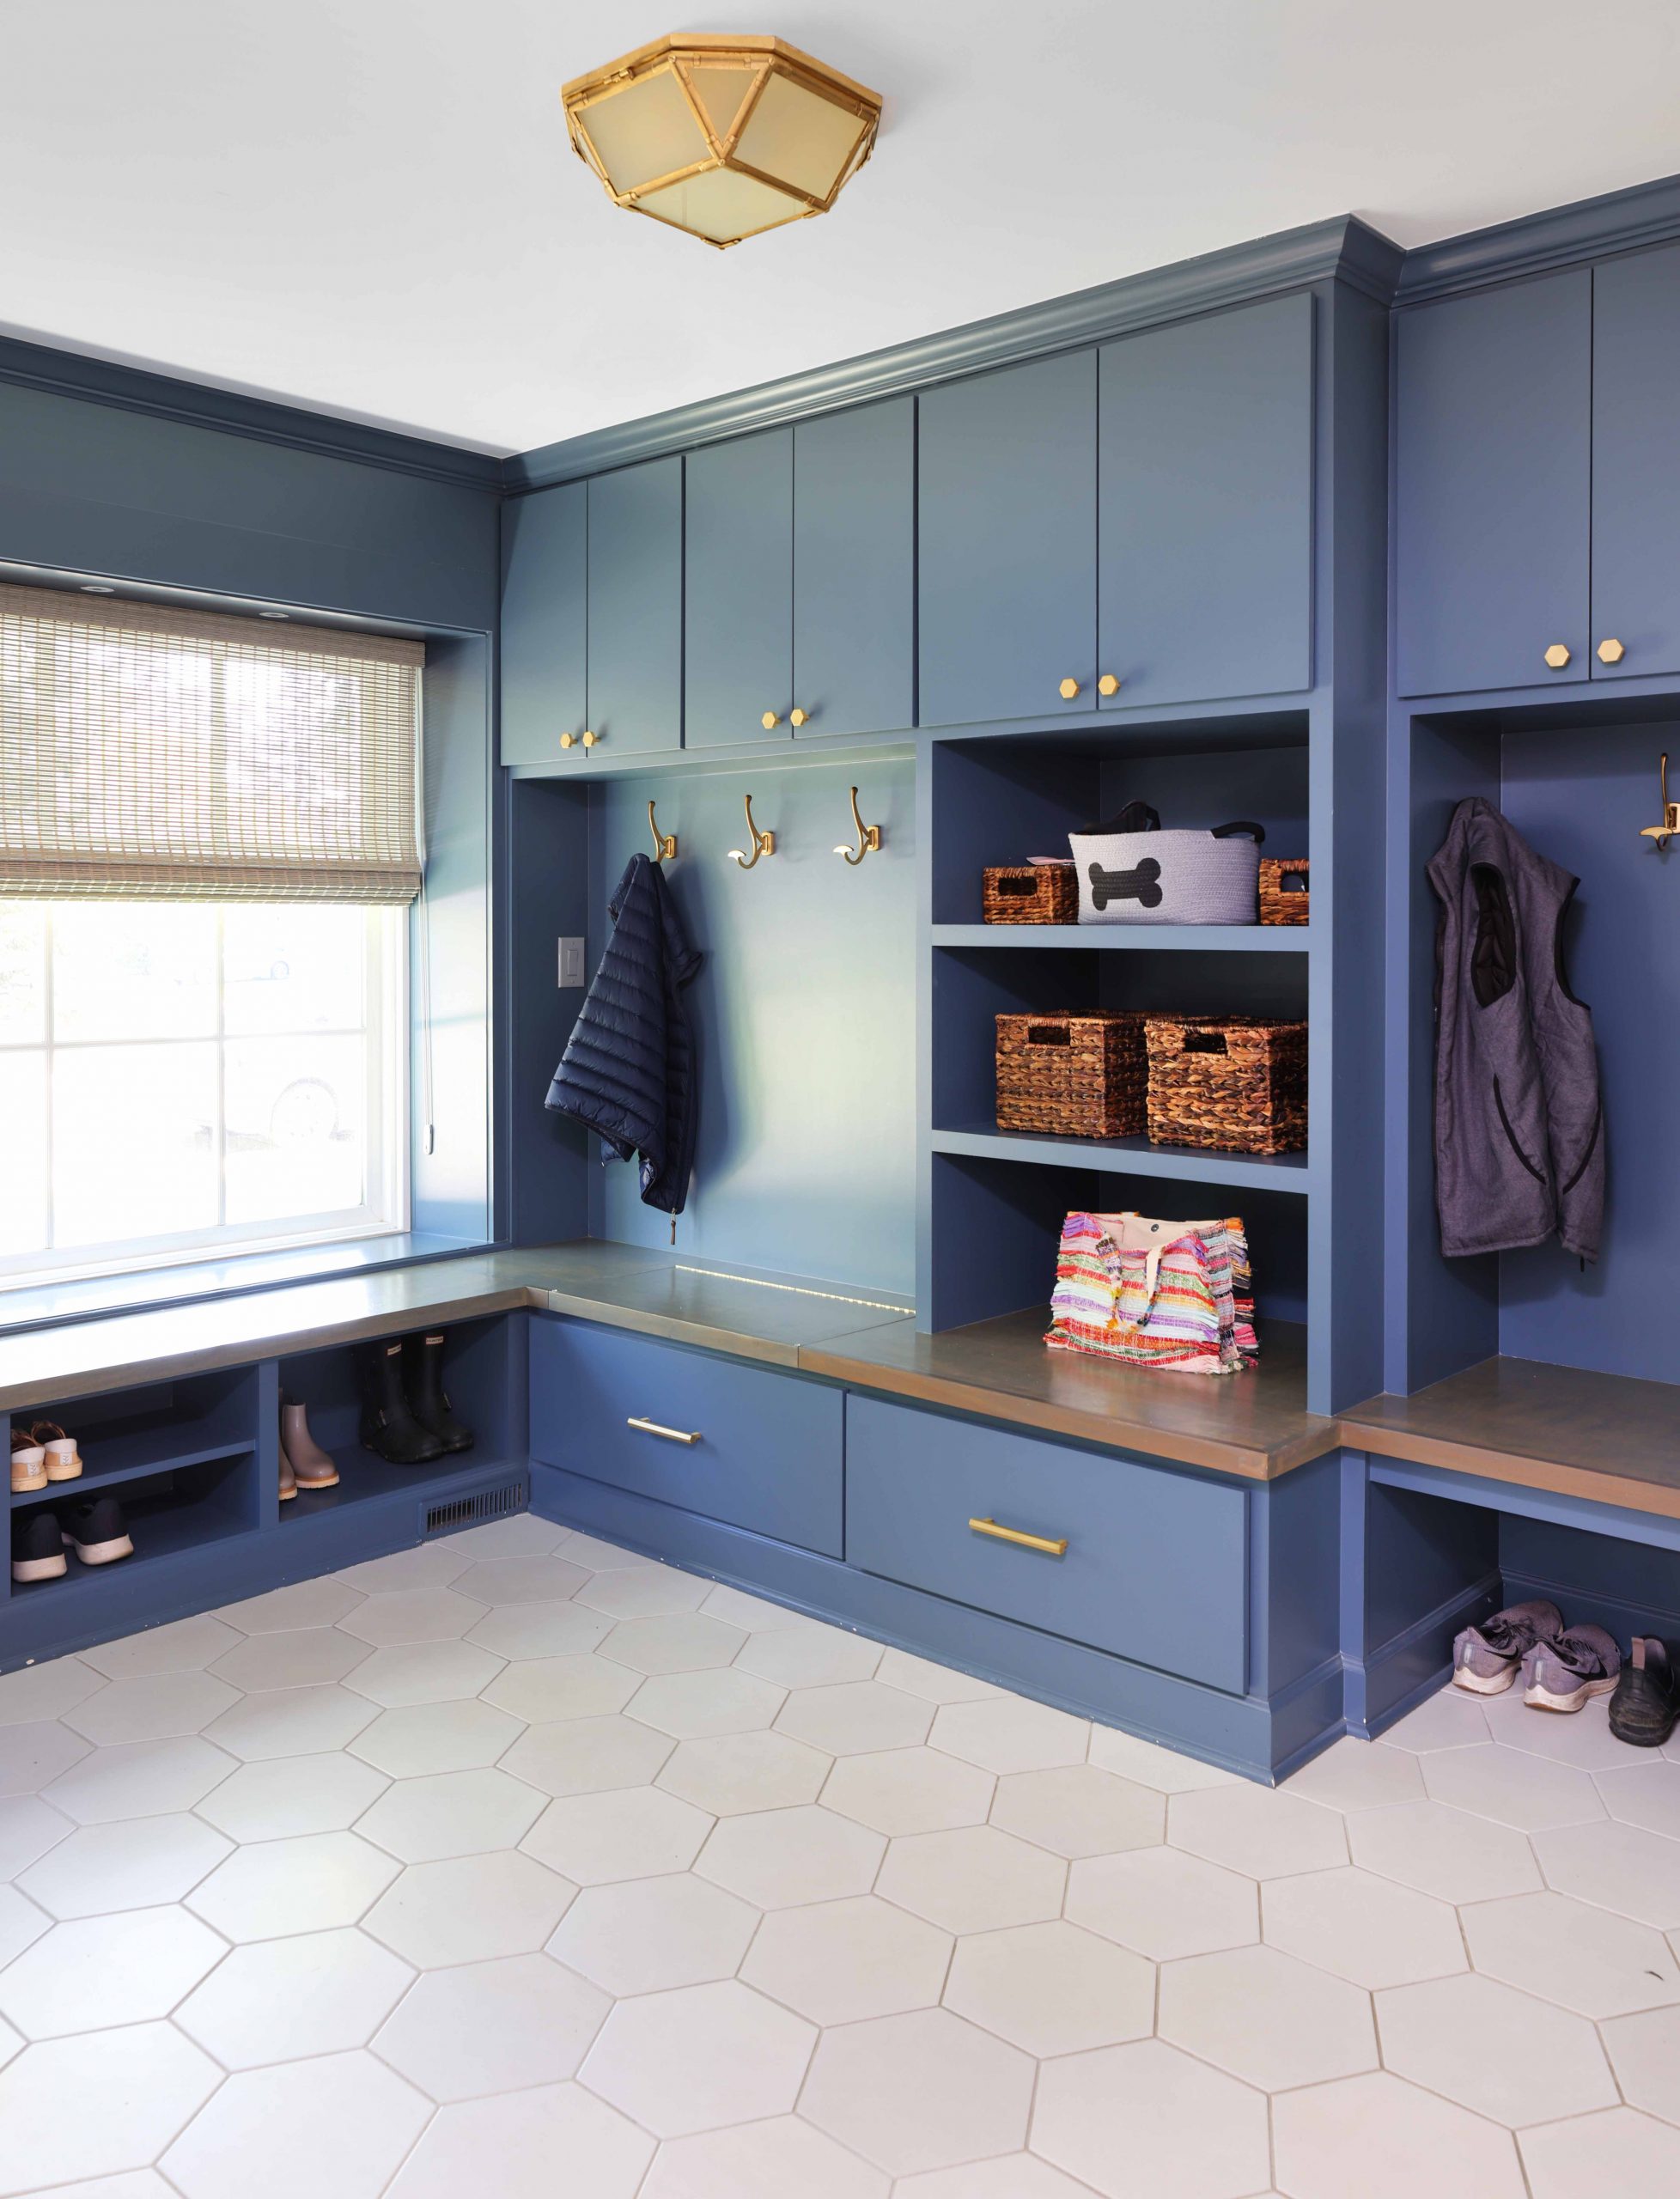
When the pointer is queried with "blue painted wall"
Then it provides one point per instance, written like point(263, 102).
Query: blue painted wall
point(805, 1010)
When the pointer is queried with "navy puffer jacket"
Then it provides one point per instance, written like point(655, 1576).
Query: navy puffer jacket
point(629, 1068)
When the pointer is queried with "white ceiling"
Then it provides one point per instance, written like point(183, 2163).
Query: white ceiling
point(369, 206)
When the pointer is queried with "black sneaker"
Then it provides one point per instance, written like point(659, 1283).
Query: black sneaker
point(38, 1548)
point(97, 1533)
point(1646, 1700)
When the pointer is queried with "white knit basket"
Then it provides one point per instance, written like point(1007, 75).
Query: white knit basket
point(1167, 878)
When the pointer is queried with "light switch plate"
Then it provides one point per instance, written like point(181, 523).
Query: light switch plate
point(571, 963)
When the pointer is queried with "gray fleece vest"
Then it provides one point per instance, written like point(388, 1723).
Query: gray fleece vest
point(1519, 1145)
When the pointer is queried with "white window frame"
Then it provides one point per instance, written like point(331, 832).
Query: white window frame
point(387, 1128)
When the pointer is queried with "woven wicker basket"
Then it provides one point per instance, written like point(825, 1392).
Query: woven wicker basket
point(1281, 903)
point(1072, 1075)
point(1233, 1083)
point(1030, 893)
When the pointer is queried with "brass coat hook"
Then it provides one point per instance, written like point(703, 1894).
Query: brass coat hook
point(665, 844)
point(868, 837)
point(761, 843)
point(1669, 827)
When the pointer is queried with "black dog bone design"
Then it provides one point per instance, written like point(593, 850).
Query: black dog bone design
point(1137, 884)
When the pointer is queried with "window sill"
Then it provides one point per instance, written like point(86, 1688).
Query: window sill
point(92, 1297)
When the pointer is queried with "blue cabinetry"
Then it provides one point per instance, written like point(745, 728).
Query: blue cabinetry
point(738, 589)
point(544, 660)
point(1493, 488)
point(636, 606)
point(760, 1450)
point(1006, 565)
point(854, 570)
point(1155, 1567)
point(1205, 507)
point(1636, 464)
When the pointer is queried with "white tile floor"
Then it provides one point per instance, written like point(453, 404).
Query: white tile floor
point(516, 1865)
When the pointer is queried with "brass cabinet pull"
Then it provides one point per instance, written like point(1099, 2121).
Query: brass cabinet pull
point(571, 740)
point(769, 721)
point(1611, 652)
point(670, 1434)
point(1017, 1535)
point(1557, 655)
point(1108, 685)
point(1067, 690)
point(797, 718)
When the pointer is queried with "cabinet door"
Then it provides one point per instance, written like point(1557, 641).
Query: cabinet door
point(854, 570)
point(738, 534)
point(1204, 525)
point(636, 606)
point(1492, 487)
point(1007, 543)
point(1637, 463)
point(544, 547)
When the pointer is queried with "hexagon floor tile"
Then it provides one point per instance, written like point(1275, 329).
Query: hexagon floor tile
point(516, 1850)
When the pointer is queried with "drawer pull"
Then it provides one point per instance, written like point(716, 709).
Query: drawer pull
point(670, 1434)
point(1017, 1535)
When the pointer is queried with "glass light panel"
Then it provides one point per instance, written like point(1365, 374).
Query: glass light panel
point(23, 1176)
point(292, 966)
point(720, 92)
point(723, 206)
point(150, 973)
point(647, 131)
point(798, 135)
point(295, 1118)
point(22, 974)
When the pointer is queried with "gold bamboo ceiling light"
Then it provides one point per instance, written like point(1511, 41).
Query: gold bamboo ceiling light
point(721, 136)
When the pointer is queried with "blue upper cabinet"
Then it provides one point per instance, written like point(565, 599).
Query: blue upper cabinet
point(738, 565)
point(1205, 510)
point(1636, 466)
point(636, 607)
point(1007, 581)
point(1494, 488)
point(544, 690)
point(854, 570)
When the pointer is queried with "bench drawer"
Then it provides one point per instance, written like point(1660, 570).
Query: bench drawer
point(1155, 1567)
point(769, 1449)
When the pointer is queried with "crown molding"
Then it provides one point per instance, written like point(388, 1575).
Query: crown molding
point(1343, 248)
point(44, 367)
point(1561, 236)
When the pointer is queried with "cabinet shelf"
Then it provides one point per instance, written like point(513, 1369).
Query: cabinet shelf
point(366, 1479)
point(1129, 1157)
point(1206, 939)
point(134, 1457)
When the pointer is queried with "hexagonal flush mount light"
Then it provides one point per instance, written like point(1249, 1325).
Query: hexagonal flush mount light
point(721, 136)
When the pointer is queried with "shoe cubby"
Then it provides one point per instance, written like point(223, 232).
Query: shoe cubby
point(167, 1512)
point(486, 1389)
point(130, 1435)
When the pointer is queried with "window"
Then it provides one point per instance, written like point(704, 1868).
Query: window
point(208, 840)
point(185, 1078)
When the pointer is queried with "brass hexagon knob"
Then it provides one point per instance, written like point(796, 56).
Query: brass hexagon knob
point(1108, 685)
point(770, 720)
point(569, 741)
point(1067, 690)
point(1558, 655)
point(1611, 652)
point(590, 739)
point(797, 718)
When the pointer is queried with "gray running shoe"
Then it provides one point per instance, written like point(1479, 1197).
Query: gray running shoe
point(1560, 1674)
point(1485, 1658)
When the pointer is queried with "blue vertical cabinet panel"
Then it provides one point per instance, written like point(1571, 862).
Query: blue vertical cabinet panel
point(738, 532)
point(1493, 487)
point(1205, 507)
point(854, 570)
point(1637, 463)
point(545, 621)
point(636, 606)
point(1006, 565)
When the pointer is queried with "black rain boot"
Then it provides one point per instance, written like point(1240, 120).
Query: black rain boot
point(388, 1427)
point(422, 1378)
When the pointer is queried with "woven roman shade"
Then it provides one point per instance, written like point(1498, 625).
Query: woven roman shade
point(154, 753)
